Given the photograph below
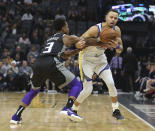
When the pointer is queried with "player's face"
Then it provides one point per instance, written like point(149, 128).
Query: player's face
point(66, 29)
point(111, 18)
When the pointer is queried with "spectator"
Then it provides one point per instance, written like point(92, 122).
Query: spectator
point(34, 53)
point(97, 84)
point(3, 69)
point(5, 34)
point(75, 69)
point(73, 3)
point(24, 39)
point(129, 67)
point(7, 65)
point(72, 14)
point(5, 53)
point(14, 29)
point(18, 59)
point(11, 77)
point(35, 39)
point(83, 14)
point(25, 72)
point(28, 2)
point(116, 68)
point(27, 15)
point(59, 14)
point(3, 84)
point(20, 52)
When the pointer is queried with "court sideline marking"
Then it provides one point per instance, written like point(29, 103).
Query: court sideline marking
point(138, 116)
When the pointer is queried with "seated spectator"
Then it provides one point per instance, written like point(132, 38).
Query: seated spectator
point(28, 2)
point(11, 77)
point(3, 69)
point(75, 69)
point(3, 84)
point(14, 29)
point(32, 60)
point(33, 53)
point(24, 39)
point(5, 53)
point(25, 72)
point(19, 51)
point(18, 59)
point(7, 65)
point(72, 14)
point(59, 14)
point(27, 15)
point(83, 14)
point(97, 84)
point(73, 3)
point(147, 83)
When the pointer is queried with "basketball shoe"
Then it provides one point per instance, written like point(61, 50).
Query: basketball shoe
point(16, 119)
point(117, 114)
point(72, 115)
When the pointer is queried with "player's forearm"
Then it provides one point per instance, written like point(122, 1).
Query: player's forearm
point(70, 40)
point(67, 54)
point(93, 42)
point(119, 48)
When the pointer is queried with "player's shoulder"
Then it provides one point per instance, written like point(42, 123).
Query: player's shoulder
point(117, 28)
point(94, 28)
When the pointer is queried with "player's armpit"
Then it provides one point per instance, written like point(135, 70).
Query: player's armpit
point(70, 40)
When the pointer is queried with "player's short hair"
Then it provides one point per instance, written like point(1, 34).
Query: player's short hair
point(59, 23)
point(112, 10)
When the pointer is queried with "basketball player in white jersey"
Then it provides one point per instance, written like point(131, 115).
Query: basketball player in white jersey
point(92, 59)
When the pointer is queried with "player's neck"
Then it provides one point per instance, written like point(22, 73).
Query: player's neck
point(105, 25)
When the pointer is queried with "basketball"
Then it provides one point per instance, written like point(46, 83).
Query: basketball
point(107, 34)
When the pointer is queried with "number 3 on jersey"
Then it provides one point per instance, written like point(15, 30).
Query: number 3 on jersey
point(48, 47)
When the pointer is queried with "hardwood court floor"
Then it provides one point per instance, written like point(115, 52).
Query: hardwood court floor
point(43, 115)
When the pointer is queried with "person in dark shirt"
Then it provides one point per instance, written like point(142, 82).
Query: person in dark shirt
point(48, 66)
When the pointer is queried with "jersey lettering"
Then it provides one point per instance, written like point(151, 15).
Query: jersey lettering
point(48, 47)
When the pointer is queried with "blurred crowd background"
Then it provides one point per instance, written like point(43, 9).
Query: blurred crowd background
point(26, 24)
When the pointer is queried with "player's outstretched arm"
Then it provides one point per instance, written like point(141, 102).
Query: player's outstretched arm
point(69, 40)
point(69, 53)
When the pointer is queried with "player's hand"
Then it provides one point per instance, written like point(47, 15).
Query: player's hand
point(80, 44)
point(112, 44)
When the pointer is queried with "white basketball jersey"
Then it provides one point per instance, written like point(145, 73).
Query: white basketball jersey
point(94, 53)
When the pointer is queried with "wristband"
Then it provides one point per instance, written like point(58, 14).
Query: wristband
point(73, 47)
point(118, 46)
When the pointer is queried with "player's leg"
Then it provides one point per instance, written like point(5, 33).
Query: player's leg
point(87, 85)
point(106, 75)
point(26, 101)
point(70, 80)
point(38, 78)
point(76, 87)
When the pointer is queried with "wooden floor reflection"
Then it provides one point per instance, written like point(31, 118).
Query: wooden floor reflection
point(43, 115)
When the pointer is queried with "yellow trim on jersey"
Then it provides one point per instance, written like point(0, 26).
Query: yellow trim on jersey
point(80, 64)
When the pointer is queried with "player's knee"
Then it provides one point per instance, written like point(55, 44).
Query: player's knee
point(87, 87)
point(84, 94)
point(35, 91)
